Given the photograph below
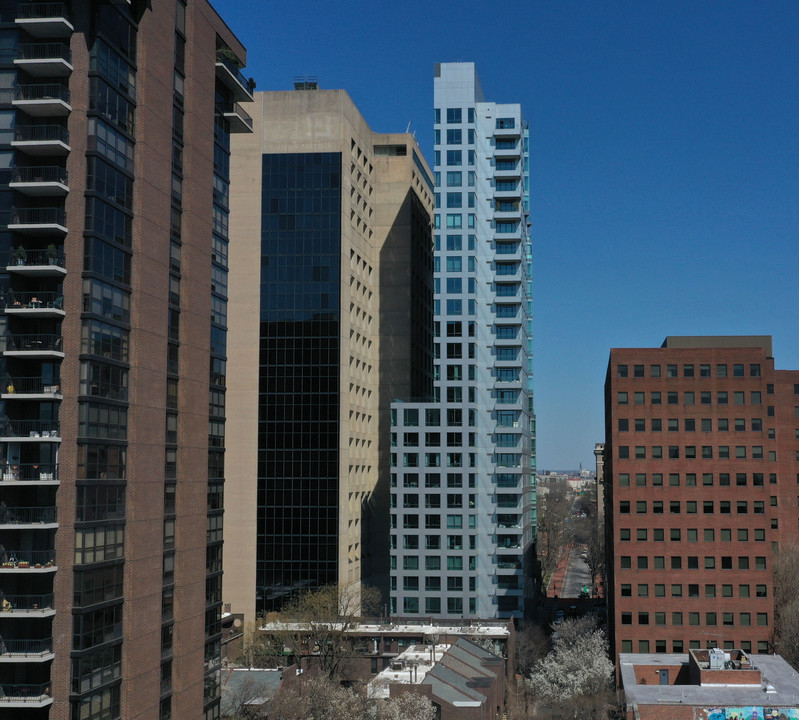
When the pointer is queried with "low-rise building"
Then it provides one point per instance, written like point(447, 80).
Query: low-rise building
point(712, 684)
point(462, 679)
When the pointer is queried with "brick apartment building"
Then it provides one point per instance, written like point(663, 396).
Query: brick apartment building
point(115, 124)
point(701, 471)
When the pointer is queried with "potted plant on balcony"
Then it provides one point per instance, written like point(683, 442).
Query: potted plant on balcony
point(52, 254)
point(20, 255)
point(23, 564)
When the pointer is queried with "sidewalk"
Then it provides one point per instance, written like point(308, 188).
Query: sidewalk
point(558, 579)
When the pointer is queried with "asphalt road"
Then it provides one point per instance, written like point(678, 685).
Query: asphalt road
point(577, 575)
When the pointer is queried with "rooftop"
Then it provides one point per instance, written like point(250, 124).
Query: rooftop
point(778, 687)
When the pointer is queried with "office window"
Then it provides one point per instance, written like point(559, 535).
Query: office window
point(676, 590)
point(625, 562)
point(654, 371)
point(676, 619)
point(659, 562)
point(638, 371)
point(655, 398)
point(621, 371)
point(643, 562)
point(671, 371)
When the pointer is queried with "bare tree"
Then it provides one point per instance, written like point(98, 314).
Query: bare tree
point(319, 698)
point(786, 603)
point(554, 508)
point(532, 643)
point(316, 624)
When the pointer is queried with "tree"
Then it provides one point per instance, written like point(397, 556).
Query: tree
point(576, 679)
point(532, 643)
point(786, 603)
point(554, 508)
point(319, 698)
point(315, 624)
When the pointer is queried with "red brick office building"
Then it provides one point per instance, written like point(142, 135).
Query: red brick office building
point(701, 473)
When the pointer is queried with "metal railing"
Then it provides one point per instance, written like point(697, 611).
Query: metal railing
point(237, 109)
point(236, 72)
point(25, 647)
point(37, 258)
point(44, 51)
point(38, 216)
point(36, 10)
point(27, 515)
point(24, 603)
point(37, 174)
point(24, 693)
point(29, 471)
point(25, 559)
point(41, 133)
point(30, 386)
point(42, 91)
point(31, 343)
point(34, 300)
point(30, 428)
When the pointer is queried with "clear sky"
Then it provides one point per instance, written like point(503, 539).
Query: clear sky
point(664, 159)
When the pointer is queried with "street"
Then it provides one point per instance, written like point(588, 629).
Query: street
point(577, 575)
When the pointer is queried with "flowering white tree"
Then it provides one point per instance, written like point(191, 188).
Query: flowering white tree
point(407, 706)
point(577, 673)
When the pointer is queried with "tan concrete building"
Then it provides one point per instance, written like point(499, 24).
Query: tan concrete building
point(331, 317)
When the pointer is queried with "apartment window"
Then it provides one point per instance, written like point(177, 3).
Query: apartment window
point(656, 424)
point(738, 397)
point(672, 398)
point(654, 371)
point(643, 562)
point(655, 398)
point(676, 562)
point(626, 590)
point(621, 371)
point(721, 398)
point(625, 562)
point(676, 619)
point(639, 398)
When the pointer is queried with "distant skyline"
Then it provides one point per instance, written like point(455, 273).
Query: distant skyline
point(664, 160)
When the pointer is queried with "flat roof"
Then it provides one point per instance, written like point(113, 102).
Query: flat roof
point(719, 341)
point(779, 686)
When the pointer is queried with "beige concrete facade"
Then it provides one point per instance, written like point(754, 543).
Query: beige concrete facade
point(381, 200)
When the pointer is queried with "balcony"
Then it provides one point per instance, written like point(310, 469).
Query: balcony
point(25, 696)
point(30, 431)
point(30, 473)
point(44, 59)
point(33, 606)
point(40, 181)
point(230, 75)
point(41, 140)
point(30, 388)
point(37, 263)
point(28, 518)
point(32, 346)
point(26, 650)
point(38, 304)
point(42, 99)
point(28, 561)
point(39, 220)
point(44, 19)
point(238, 119)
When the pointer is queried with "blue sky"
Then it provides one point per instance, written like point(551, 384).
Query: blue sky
point(664, 168)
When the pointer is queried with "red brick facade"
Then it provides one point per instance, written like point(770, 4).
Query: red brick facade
point(701, 471)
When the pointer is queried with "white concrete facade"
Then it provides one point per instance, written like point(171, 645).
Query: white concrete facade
point(463, 495)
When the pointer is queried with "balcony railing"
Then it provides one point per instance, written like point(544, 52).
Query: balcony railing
point(31, 343)
point(26, 603)
point(27, 559)
point(24, 693)
point(44, 51)
point(34, 300)
point(39, 10)
point(39, 216)
point(40, 174)
point(42, 91)
point(36, 258)
point(236, 72)
point(41, 133)
point(30, 386)
point(27, 515)
point(30, 428)
point(25, 648)
point(29, 472)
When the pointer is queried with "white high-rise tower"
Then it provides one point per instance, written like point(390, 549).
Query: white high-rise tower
point(463, 514)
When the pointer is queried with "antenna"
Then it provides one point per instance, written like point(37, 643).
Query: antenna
point(408, 129)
